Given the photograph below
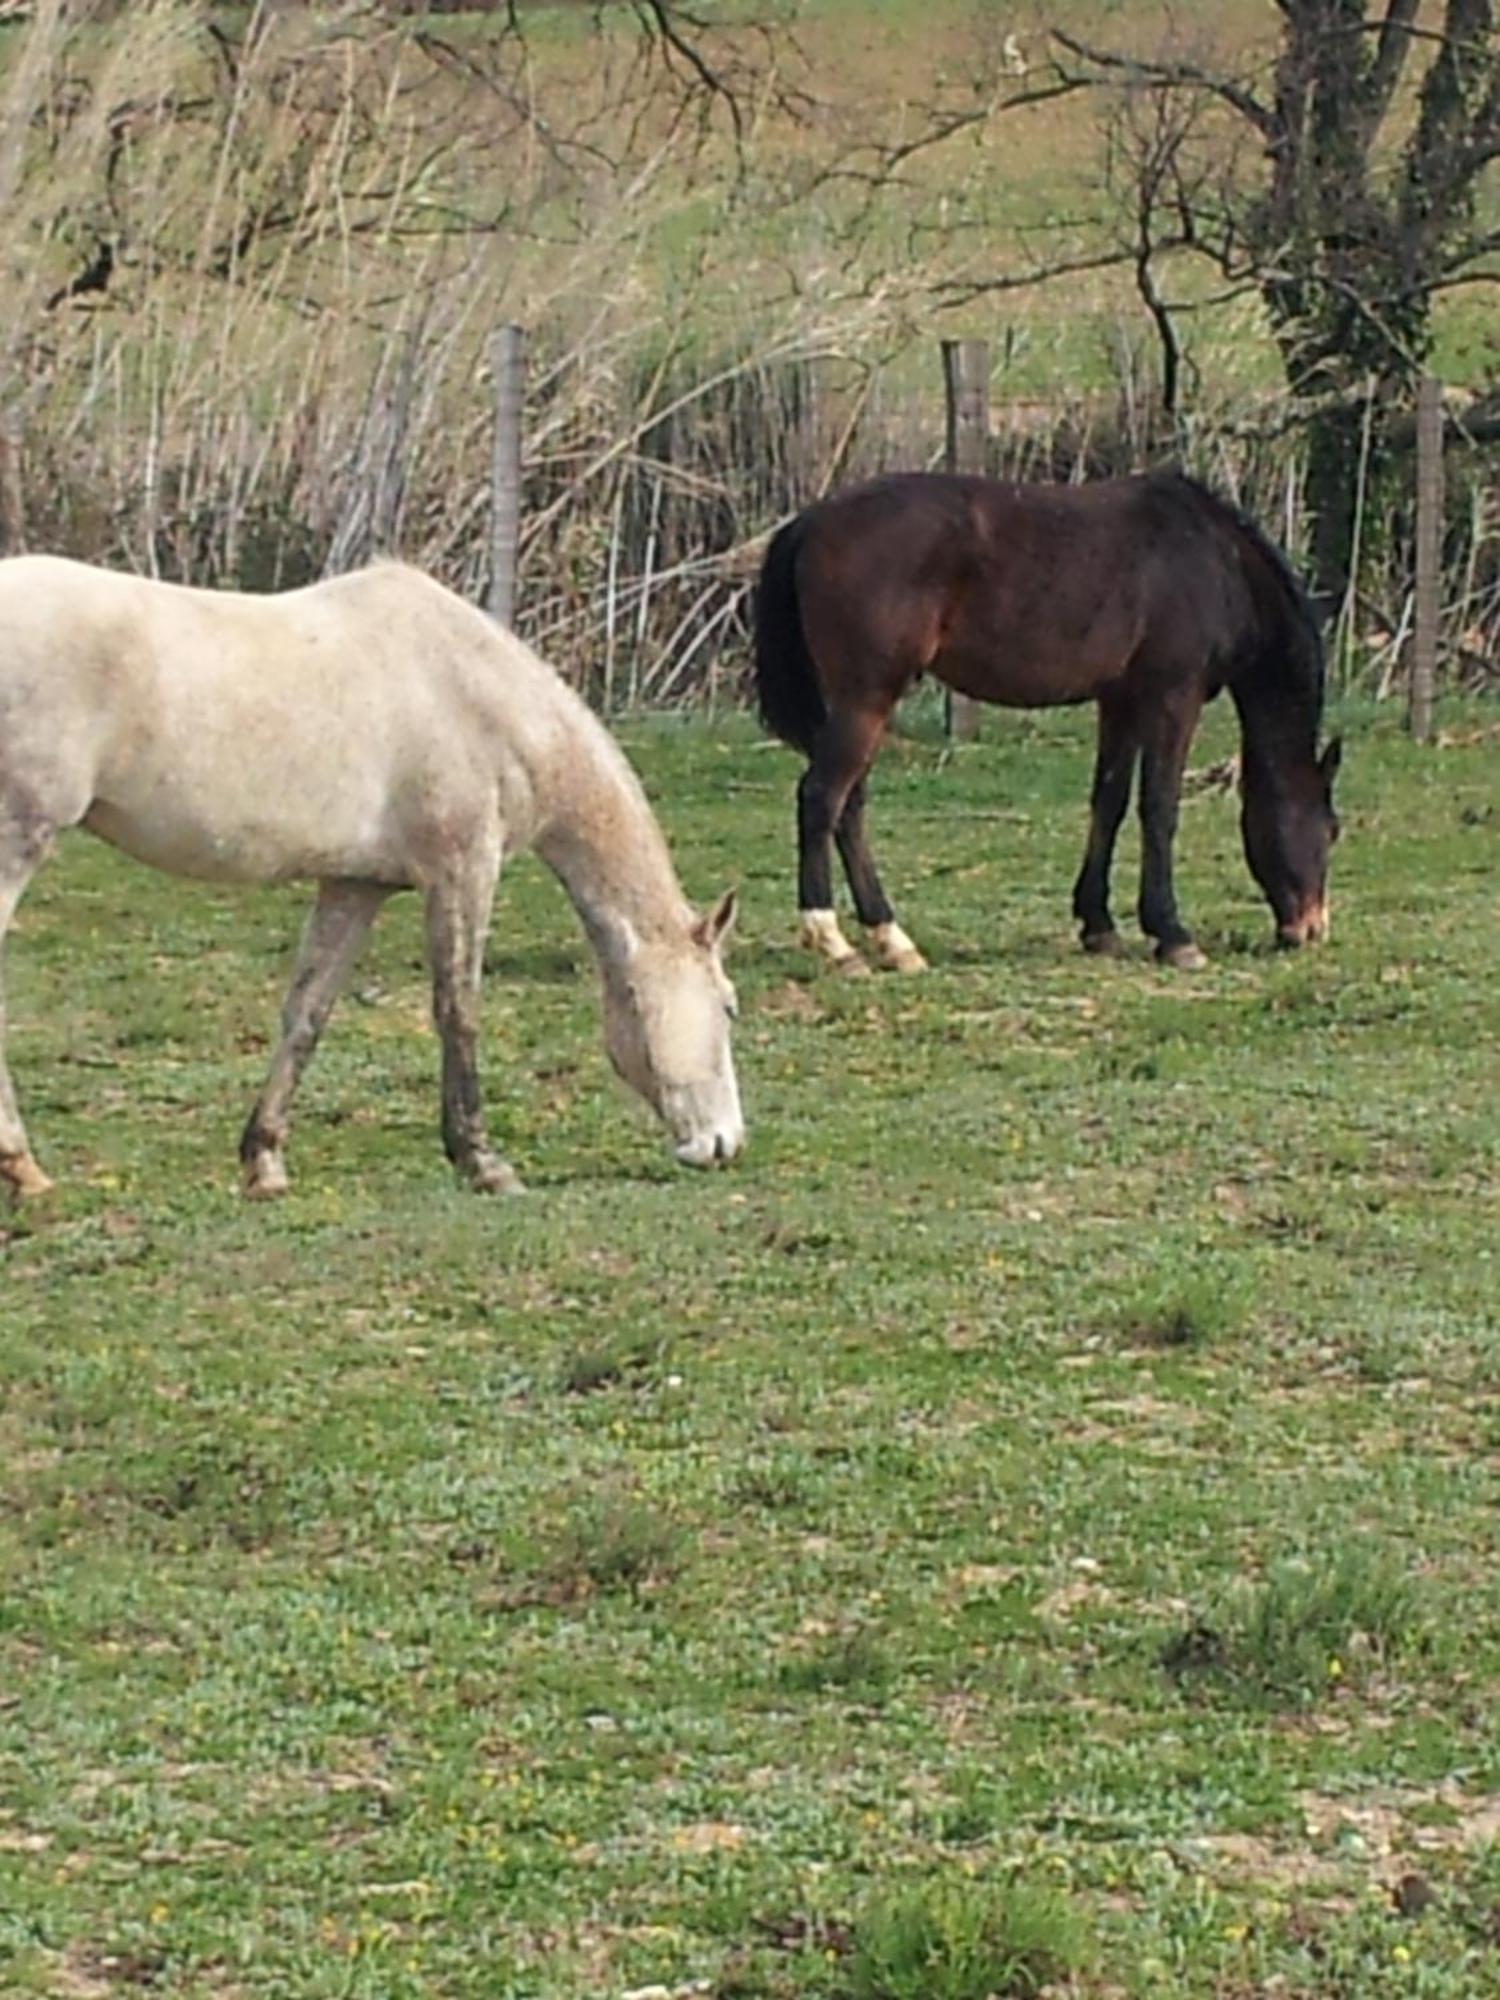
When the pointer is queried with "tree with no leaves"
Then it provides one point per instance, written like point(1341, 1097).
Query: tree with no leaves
point(1375, 132)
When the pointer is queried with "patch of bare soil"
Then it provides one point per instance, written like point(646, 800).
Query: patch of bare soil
point(792, 1001)
point(1387, 1836)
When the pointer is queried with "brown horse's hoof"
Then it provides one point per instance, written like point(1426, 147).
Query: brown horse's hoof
point(894, 950)
point(1183, 957)
point(818, 931)
point(1104, 944)
point(26, 1178)
point(851, 966)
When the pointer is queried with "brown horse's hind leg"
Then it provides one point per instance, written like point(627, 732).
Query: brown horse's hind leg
point(892, 947)
point(338, 925)
point(1163, 757)
point(458, 915)
point(23, 844)
point(842, 754)
point(1114, 766)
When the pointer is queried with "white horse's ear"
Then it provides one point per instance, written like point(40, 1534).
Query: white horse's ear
point(714, 926)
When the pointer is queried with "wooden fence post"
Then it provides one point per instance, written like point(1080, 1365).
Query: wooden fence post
point(508, 368)
point(966, 384)
point(1428, 605)
point(12, 508)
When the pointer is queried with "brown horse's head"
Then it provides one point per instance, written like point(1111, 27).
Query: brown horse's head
point(1289, 826)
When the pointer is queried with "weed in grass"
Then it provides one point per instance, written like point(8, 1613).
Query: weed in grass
point(784, 1483)
point(1399, 1349)
point(603, 1545)
point(621, 1545)
point(855, 1662)
point(965, 1940)
point(970, 1816)
point(217, 1494)
point(606, 1364)
point(806, 1930)
point(1199, 1308)
point(1314, 1628)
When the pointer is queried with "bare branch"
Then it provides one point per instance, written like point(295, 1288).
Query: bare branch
point(1174, 75)
point(962, 291)
point(663, 17)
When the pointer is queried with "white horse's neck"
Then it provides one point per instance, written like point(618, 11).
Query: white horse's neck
point(602, 841)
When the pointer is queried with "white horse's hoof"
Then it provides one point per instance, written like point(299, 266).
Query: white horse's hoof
point(265, 1178)
point(24, 1175)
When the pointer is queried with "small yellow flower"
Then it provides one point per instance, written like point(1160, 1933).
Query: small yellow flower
point(1401, 1953)
point(158, 1913)
point(1335, 1668)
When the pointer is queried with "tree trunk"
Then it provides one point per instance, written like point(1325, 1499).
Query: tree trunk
point(1333, 455)
point(12, 506)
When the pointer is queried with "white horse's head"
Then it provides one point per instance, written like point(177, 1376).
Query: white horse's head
point(667, 1009)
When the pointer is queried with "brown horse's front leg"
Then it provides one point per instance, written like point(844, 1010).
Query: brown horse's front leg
point(1114, 766)
point(1161, 788)
point(892, 948)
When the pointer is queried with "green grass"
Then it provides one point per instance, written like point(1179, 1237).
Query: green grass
point(958, 1941)
point(765, 1583)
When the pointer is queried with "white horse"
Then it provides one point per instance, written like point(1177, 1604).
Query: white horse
point(370, 733)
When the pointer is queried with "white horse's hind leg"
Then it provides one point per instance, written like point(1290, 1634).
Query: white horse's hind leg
point(458, 916)
point(338, 925)
point(20, 854)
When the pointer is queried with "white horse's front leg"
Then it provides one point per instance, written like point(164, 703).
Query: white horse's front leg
point(18, 1168)
point(338, 925)
point(458, 918)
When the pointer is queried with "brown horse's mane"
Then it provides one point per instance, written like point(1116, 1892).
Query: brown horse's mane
point(1289, 662)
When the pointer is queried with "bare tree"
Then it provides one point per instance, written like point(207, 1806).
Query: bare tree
point(1374, 132)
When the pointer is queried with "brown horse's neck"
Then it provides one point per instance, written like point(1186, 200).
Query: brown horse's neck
point(602, 842)
point(1278, 730)
point(1278, 688)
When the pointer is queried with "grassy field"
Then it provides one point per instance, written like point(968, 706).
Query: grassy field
point(1030, 1525)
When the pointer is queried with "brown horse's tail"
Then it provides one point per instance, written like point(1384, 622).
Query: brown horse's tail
point(786, 681)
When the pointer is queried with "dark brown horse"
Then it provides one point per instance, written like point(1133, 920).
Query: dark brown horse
point(1145, 595)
